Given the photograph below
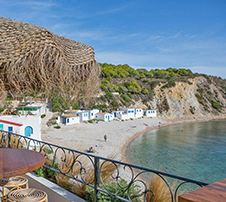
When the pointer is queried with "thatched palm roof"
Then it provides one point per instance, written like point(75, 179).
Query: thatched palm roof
point(33, 58)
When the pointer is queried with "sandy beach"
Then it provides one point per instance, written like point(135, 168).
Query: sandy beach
point(119, 133)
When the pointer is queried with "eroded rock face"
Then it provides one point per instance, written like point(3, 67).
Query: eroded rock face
point(190, 100)
point(33, 58)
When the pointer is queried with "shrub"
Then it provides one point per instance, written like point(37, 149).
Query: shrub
point(90, 121)
point(223, 87)
point(153, 84)
point(43, 116)
point(103, 108)
point(114, 105)
point(115, 188)
point(200, 90)
point(122, 89)
point(59, 104)
point(145, 91)
point(125, 98)
point(57, 127)
point(199, 98)
point(216, 105)
point(133, 87)
point(170, 84)
point(109, 96)
point(1, 109)
point(45, 172)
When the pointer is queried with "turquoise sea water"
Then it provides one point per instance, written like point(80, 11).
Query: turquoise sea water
point(192, 150)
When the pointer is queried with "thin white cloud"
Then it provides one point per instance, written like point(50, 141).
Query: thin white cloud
point(94, 14)
point(177, 35)
point(114, 10)
point(35, 4)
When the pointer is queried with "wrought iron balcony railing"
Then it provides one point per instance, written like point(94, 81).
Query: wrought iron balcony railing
point(105, 177)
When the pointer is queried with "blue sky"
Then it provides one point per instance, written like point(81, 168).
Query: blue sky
point(142, 33)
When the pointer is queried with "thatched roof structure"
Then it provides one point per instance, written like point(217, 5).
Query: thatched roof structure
point(33, 59)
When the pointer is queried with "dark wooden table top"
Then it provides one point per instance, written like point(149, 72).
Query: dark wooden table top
point(14, 162)
point(213, 192)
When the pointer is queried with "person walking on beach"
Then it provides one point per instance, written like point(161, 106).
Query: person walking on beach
point(105, 138)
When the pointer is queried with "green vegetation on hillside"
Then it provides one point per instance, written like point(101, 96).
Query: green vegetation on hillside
point(133, 85)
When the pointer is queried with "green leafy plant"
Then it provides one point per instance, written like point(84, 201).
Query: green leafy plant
point(1, 109)
point(170, 84)
point(116, 189)
point(216, 105)
point(43, 116)
point(125, 98)
point(57, 127)
point(145, 91)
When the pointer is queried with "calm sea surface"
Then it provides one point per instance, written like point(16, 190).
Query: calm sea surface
point(193, 150)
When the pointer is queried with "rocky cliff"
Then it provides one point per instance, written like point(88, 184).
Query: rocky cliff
point(200, 98)
point(174, 93)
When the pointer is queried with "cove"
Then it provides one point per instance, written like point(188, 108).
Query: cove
point(192, 150)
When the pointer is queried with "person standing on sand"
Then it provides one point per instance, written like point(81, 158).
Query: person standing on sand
point(105, 138)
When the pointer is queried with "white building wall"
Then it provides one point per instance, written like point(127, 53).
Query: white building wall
point(84, 116)
point(41, 109)
point(151, 113)
point(92, 113)
point(72, 120)
point(32, 121)
point(105, 117)
point(131, 113)
point(139, 113)
point(122, 116)
point(100, 117)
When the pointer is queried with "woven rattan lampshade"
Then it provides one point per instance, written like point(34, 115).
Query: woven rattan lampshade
point(32, 57)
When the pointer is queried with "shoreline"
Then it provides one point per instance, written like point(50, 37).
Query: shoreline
point(123, 151)
point(119, 135)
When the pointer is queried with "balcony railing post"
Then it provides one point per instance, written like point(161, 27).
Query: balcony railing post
point(9, 140)
point(96, 178)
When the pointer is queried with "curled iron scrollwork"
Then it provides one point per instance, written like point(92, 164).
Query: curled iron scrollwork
point(100, 173)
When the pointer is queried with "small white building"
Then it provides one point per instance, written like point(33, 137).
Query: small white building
point(68, 119)
point(34, 109)
point(83, 115)
point(150, 113)
point(139, 113)
point(104, 116)
point(122, 116)
point(92, 113)
point(29, 126)
point(129, 111)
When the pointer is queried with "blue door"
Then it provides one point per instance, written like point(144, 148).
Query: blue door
point(1, 126)
point(108, 118)
point(28, 131)
point(10, 129)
